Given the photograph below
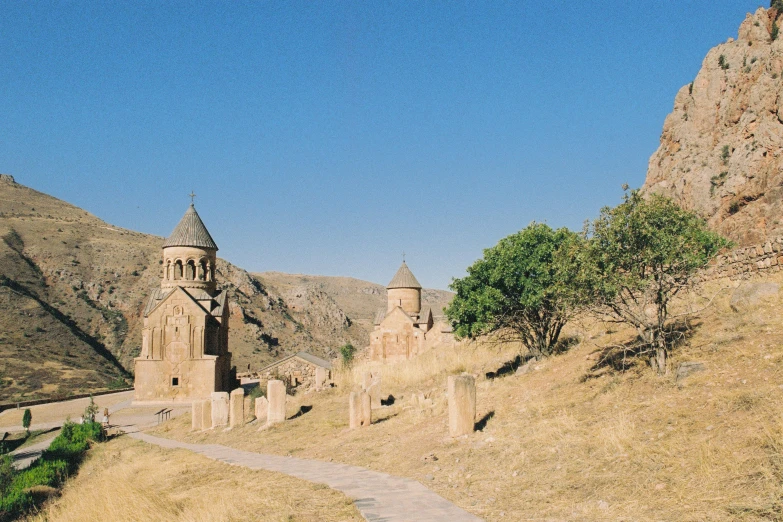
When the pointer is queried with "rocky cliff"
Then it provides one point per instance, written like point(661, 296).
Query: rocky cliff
point(720, 153)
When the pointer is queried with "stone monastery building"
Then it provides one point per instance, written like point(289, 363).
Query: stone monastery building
point(184, 351)
point(401, 328)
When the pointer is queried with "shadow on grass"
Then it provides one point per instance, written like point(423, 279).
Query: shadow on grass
point(622, 357)
point(384, 419)
point(508, 368)
point(302, 410)
point(482, 423)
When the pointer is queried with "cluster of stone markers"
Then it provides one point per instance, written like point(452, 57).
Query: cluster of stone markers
point(461, 393)
point(232, 410)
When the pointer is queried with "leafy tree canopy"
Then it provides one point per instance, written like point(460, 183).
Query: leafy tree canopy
point(522, 287)
point(641, 254)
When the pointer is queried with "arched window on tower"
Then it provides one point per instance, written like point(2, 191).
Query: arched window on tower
point(178, 269)
point(190, 270)
point(167, 270)
point(202, 270)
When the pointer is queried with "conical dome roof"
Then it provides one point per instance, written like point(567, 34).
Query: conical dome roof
point(404, 278)
point(190, 232)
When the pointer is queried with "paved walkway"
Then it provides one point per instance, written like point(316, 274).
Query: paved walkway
point(23, 457)
point(379, 497)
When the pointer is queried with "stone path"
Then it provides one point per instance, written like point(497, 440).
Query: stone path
point(23, 457)
point(380, 497)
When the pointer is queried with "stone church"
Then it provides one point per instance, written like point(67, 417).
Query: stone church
point(184, 351)
point(401, 327)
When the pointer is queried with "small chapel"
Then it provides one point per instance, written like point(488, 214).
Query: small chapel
point(400, 328)
point(184, 351)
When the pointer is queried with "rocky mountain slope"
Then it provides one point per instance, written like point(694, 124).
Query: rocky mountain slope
point(72, 288)
point(335, 299)
point(720, 153)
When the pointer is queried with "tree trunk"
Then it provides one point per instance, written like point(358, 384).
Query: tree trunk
point(660, 357)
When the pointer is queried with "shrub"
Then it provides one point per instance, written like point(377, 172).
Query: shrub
point(347, 351)
point(27, 419)
point(55, 465)
point(722, 62)
point(775, 31)
point(89, 412)
point(7, 472)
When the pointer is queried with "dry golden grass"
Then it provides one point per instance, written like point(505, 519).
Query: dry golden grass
point(128, 480)
point(619, 446)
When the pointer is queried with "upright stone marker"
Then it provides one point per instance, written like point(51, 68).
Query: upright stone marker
point(206, 414)
point(354, 411)
point(247, 408)
point(366, 408)
point(320, 378)
point(195, 417)
point(375, 393)
point(237, 414)
point(219, 409)
point(462, 404)
point(275, 394)
point(262, 410)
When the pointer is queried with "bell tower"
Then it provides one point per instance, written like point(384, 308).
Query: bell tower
point(184, 350)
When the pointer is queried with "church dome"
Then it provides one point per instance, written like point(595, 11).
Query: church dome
point(404, 278)
point(190, 232)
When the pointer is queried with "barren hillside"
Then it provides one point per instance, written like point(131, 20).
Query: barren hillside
point(358, 300)
point(73, 287)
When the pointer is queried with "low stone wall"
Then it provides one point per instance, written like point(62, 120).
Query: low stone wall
point(743, 262)
point(295, 372)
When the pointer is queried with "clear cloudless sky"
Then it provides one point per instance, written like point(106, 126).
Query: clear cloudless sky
point(329, 137)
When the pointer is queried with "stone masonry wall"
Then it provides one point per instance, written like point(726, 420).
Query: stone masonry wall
point(294, 372)
point(743, 262)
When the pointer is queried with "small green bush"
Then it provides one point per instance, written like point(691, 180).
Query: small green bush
point(722, 62)
point(724, 154)
point(27, 419)
point(775, 31)
point(347, 351)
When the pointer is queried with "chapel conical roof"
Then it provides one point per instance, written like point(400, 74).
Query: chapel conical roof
point(190, 232)
point(404, 278)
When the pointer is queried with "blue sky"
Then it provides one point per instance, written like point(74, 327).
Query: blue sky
point(329, 137)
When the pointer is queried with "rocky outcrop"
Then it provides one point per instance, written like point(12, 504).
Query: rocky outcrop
point(317, 309)
point(720, 153)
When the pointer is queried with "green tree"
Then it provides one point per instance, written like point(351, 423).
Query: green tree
point(27, 419)
point(90, 411)
point(522, 289)
point(641, 254)
point(347, 351)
